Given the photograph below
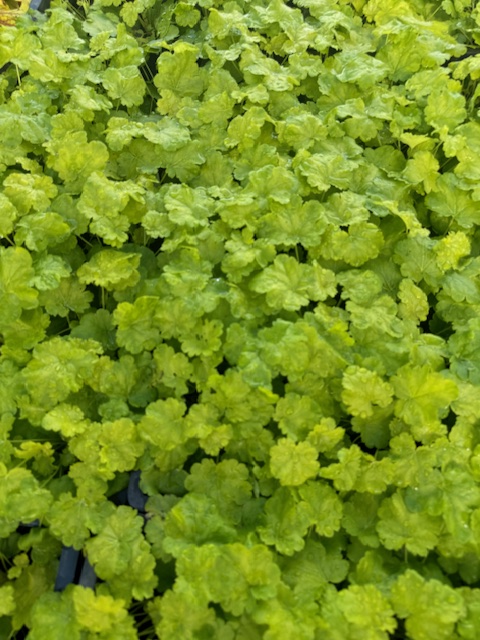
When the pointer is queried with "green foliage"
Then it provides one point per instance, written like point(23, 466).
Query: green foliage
point(239, 254)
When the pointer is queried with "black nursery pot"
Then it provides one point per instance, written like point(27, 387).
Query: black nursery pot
point(40, 5)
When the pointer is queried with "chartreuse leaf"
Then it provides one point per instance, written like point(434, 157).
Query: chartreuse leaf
point(361, 611)
point(297, 415)
point(346, 208)
point(58, 367)
point(245, 254)
point(59, 32)
point(179, 73)
point(374, 430)
point(423, 396)
point(163, 424)
point(16, 292)
point(362, 389)
point(7, 601)
point(411, 598)
point(287, 615)
point(27, 191)
point(49, 271)
point(217, 109)
point(300, 130)
point(309, 571)
point(467, 626)
point(422, 169)
point(168, 133)
point(86, 101)
point(69, 295)
point(203, 423)
point(41, 455)
point(466, 403)
point(79, 611)
point(413, 301)
point(435, 47)
point(248, 575)
point(125, 84)
point(189, 207)
point(9, 390)
point(182, 163)
point(326, 437)
point(115, 378)
point(362, 69)
point(325, 506)
point(290, 285)
point(84, 447)
point(91, 482)
point(300, 223)
point(204, 340)
point(463, 346)
point(111, 269)
point(416, 258)
point(445, 110)
point(102, 614)
point(180, 614)
point(176, 317)
point(75, 159)
point(188, 277)
point(299, 349)
point(412, 464)
point(367, 611)
point(53, 614)
point(21, 125)
point(362, 242)
point(465, 148)
point(30, 582)
point(450, 201)
point(360, 517)
point(273, 75)
point(121, 555)
point(103, 202)
point(399, 527)
point(27, 331)
point(120, 445)
point(286, 522)
point(323, 170)
point(172, 369)
point(9, 215)
point(73, 520)
point(22, 499)
point(97, 326)
point(345, 473)
point(195, 521)
point(237, 401)
point(451, 249)
point(244, 130)
point(292, 463)
point(281, 183)
point(39, 230)
point(226, 483)
point(456, 495)
point(137, 329)
point(361, 287)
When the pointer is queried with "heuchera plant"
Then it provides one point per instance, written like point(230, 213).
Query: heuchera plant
point(240, 257)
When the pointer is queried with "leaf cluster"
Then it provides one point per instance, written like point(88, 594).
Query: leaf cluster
point(239, 254)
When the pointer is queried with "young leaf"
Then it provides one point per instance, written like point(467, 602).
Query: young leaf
point(411, 598)
point(362, 389)
point(111, 270)
point(290, 285)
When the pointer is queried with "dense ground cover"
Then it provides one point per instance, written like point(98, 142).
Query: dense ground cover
point(240, 254)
